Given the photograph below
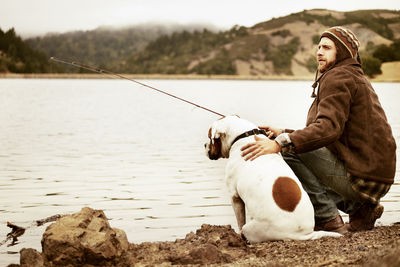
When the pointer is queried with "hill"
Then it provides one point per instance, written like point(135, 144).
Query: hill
point(105, 46)
point(18, 57)
point(281, 46)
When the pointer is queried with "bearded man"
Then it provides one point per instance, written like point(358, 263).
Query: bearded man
point(345, 157)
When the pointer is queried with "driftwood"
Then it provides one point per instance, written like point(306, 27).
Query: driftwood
point(17, 231)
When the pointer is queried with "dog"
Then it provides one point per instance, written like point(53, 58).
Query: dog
point(277, 206)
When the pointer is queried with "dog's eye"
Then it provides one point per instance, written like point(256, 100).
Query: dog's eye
point(215, 140)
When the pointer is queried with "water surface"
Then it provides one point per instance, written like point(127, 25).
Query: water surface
point(134, 153)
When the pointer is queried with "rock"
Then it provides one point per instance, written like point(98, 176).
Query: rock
point(30, 258)
point(203, 255)
point(221, 235)
point(207, 254)
point(207, 246)
point(83, 238)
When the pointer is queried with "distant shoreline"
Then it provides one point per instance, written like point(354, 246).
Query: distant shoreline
point(149, 76)
point(169, 77)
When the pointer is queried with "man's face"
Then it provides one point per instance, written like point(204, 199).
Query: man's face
point(326, 54)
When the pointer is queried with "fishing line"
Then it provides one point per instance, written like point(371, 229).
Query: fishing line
point(103, 71)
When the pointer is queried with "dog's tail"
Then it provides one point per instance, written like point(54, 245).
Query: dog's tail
point(319, 234)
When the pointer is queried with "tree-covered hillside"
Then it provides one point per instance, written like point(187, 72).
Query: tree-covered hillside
point(270, 47)
point(18, 57)
point(105, 46)
point(284, 45)
point(172, 54)
point(378, 21)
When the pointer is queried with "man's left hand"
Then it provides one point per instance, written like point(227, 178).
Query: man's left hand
point(261, 146)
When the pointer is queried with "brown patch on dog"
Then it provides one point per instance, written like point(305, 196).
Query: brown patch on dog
point(215, 149)
point(286, 193)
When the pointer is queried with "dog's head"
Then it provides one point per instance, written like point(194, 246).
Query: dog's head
point(215, 147)
point(222, 133)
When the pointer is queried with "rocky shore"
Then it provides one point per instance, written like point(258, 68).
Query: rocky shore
point(86, 239)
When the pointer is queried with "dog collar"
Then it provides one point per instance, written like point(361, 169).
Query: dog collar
point(249, 133)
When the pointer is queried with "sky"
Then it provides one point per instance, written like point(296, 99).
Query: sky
point(38, 17)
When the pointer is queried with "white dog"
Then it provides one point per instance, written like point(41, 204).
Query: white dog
point(277, 206)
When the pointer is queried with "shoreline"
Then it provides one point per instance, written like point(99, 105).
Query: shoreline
point(86, 238)
point(172, 77)
point(150, 76)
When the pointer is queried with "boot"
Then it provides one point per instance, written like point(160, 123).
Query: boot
point(335, 225)
point(364, 218)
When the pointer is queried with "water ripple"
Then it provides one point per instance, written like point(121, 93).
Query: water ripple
point(67, 144)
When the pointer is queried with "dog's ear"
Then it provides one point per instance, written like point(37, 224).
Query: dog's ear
point(214, 135)
point(215, 151)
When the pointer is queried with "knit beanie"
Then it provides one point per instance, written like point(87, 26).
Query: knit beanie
point(345, 40)
point(346, 44)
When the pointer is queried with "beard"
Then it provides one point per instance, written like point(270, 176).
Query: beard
point(325, 66)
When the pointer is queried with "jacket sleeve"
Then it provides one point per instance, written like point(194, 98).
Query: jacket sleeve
point(326, 120)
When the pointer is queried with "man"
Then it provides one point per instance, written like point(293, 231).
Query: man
point(345, 156)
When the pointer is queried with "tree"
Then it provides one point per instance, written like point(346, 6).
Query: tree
point(282, 56)
point(17, 56)
point(371, 66)
point(384, 53)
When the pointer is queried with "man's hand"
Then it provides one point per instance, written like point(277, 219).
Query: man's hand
point(261, 146)
point(271, 131)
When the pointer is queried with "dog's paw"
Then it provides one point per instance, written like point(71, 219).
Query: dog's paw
point(244, 238)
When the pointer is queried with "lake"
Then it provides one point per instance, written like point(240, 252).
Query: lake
point(134, 153)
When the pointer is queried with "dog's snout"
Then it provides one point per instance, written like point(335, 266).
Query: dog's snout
point(209, 153)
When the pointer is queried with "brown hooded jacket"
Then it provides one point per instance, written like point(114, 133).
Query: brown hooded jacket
point(347, 118)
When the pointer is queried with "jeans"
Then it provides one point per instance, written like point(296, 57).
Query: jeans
point(324, 177)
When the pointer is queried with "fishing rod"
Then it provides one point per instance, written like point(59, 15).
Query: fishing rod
point(103, 71)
